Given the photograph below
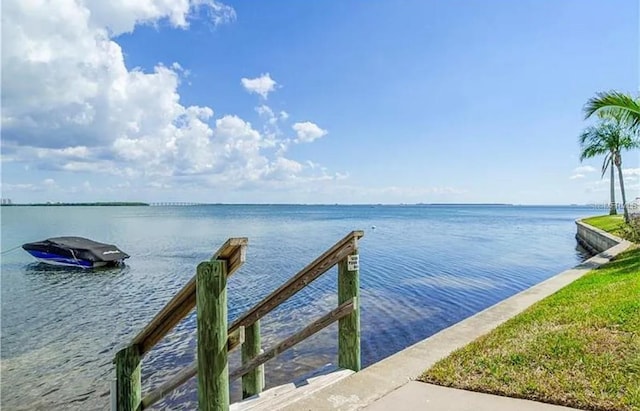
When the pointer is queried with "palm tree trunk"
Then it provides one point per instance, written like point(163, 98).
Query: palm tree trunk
point(624, 197)
point(612, 205)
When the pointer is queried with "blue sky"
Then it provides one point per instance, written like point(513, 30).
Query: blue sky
point(341, 102)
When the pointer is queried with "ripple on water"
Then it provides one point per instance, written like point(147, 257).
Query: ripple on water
point(422, 269)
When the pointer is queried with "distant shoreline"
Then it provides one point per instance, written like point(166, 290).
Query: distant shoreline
point(143, 204)
point(108, 204)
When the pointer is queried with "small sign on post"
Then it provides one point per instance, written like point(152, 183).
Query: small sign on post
point(353, 262)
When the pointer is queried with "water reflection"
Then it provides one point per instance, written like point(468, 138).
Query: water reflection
point(422, 269)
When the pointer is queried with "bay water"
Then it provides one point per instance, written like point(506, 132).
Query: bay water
point(422, 269)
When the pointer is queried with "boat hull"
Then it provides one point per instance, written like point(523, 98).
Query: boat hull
point(75, 252)
point(58, 260)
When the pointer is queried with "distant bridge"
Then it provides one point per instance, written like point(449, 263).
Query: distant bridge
point(173, 204)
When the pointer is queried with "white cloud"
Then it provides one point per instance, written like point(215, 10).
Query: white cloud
point(631, 172)
point(20, 187)
point(49, 182)
point(271, 128)
point(262, 85)
point(598, 186)
point(64, 79)
point(631, 179)
point(69, 103)
point(584, 169)
point(418, 191)
point(122, 16)
point(307, 132)
point(284, 168)
point(334, 188)
point(265, 111)
point(581, 172)
point(271, 117)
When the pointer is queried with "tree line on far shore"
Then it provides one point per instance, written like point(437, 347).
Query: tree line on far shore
point(111, 204)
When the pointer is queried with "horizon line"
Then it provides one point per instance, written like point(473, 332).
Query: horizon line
point(195, 203)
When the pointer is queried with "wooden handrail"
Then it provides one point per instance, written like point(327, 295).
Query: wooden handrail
point(235, 340)
point(332, 316)
point(305, 276)
point(233, 251)
point(187, 373)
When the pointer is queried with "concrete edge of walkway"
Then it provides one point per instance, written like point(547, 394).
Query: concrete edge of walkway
point(416, 395)
point(379, 379)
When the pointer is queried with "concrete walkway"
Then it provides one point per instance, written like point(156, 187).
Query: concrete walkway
point(415, 396)
point(386, 384)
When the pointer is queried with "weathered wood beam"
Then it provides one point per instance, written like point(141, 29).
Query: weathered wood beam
point(233, 251)
point(334, 315)
point(349, 326)
point(213, 365)
point(312, 271)
point(234, 341)
point(233, 254)
point(128, 383)
point(253, 381)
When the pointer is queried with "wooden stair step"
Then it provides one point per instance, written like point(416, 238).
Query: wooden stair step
point(278, 397)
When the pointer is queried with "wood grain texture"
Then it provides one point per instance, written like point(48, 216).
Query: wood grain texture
point(213, 369)
point(349, 326)
point(305, 276)
point(128, 384)
point(233, 341)
point(180, 378)
point(334, 315)
point(252, 382)
point(215, 339)
point(233, 251)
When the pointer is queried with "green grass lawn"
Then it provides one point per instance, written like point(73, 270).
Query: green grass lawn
point(580, 347)
point(613, 224)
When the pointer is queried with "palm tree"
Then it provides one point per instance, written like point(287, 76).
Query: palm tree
point(614, 102)
point(609, 138)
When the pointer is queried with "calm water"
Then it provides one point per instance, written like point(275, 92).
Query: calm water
point(423, 268)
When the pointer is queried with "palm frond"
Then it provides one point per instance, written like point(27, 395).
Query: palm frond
point(629, 143)
point(608, 161)
point(593, 142)
point(615, 104)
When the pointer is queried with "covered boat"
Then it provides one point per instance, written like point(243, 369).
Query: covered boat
point(75, 252)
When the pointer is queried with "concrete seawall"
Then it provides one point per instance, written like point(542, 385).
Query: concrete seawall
point(362, 389)
point(594, 239)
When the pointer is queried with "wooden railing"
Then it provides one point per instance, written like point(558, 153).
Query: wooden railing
point(207, 291)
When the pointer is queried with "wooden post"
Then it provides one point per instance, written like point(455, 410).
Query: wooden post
point(349, 326)
point(113, 396)
point(253, 382)
point(332, 316)
point(211, 303)
point(128, 384)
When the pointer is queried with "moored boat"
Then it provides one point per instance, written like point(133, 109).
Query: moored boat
point(75, 252)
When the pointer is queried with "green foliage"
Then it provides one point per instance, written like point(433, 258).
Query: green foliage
point(580, 347)
point(609, 137)
point(613, 224)
point(604, 138)
point(617, 104)
point(631, 231)
point(617, 131)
